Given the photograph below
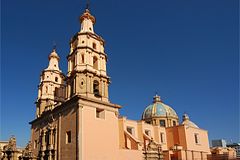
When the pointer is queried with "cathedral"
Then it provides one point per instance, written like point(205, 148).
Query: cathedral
point(76, 120)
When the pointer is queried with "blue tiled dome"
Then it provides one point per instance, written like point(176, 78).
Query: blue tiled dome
point(158, 109)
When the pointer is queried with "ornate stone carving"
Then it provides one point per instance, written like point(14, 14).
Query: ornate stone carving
point(153, 151)
point(11, 146)
point(27, 152)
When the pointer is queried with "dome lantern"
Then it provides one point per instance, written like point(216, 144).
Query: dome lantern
point(156, 98)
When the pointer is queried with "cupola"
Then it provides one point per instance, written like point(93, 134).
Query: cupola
point(186, 121)
point(160, 114)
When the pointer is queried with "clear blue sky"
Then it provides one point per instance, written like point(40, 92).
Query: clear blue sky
point(186, 50)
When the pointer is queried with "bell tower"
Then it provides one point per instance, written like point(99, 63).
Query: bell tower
point(51, 89)
point(87, 75)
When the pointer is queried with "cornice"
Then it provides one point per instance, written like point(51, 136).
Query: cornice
point(69, 104)
point(73, 73)
point(86, 47)
point(93, 35)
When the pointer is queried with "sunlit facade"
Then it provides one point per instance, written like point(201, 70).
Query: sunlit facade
point(76, 120)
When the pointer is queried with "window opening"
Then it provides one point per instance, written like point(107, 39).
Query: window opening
point(94, 45)
point(35, 144)
point(130, 130)
point(162, 137)
point(46, 89)
point(162, 123)
point(82, 58)
point(196, 137)
point(68, 137)
point(95, 62)
point(96, 88)
point(100, 113)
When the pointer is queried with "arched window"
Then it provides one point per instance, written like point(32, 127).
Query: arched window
point(56, 79)
point(95, 62)
point(82, 56)
point(96, 88)
point(94, 45)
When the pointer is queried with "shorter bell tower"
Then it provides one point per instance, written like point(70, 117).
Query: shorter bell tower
point(87, 75)
point(51, 89)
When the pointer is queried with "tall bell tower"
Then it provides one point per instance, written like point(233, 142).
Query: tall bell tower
point(87, 75)
point(51, 89)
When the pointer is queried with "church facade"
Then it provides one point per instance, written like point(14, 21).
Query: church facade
point(76, 120)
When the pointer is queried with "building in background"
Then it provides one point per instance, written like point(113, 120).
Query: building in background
point(236, 146)
point(219, 143)
point(76, 120)
point(222, 153)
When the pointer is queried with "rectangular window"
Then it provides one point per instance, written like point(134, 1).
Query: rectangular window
point(130, 130)
point(148, 132)
point(196, 137)
point(68, 137)
point(162, 137)
point(162, 123)
point(100, 113)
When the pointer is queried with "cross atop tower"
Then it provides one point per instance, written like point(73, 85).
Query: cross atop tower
point(87, 20)
point(54, 46)
point(88, 4)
